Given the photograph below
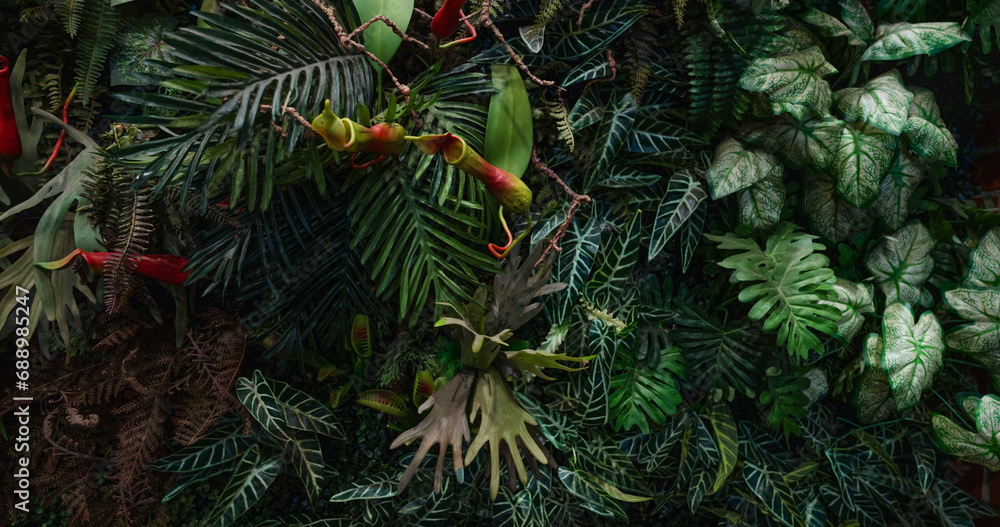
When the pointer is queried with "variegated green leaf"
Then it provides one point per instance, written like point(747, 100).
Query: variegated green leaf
point(863, 157)
point(628, 177)
point(302, 412)
point(306, 457)
point(684, 194)
point(832, 216)
point(577, 258)
point(372, 488)
point(592, 389)
point(854, 301)
point(926, 462)
point(902, 262)
point(257, 396)
point(873, 395)
point(898, 41)
point(735, 168)
point(926, 132)
point(595, 67)
point(568, 40)
point(691, 232)
point(249, 481)
point(774, 493)
point(616, 264)
point(214, 449)
point(983, 445)
point(590, 497)
point(892, 204)
point(727, 437)
point(706, 456)
point(882, 102)
point(982, 308)
point(654, 132)
point(799, 144)
point(912, 353)
point(856, 18)
point(761, 203)
point(612, 135)
point(829, 26)
point(794, 80)
point(984, 261)
point(657, 449)
point(588, 110)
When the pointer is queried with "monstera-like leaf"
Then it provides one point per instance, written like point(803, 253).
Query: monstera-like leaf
point(926, 132)
point(902, 262)
point(898, 41)
point(503, 425)
point(984, 261)
point(982, 446)
point(882, 102)
point(832, 216)
point(761, 203)
point(981, 306)
point(854, 301)
point(863, 157)
point(873, 395)
point(799, 144)
point(894, 195)
point(735, 168)
point(793, 81)
point(912, 353)
point(789, 277)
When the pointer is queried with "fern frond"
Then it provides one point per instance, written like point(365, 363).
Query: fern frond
point(72, 15)
point(639, 54)
point(97, 33)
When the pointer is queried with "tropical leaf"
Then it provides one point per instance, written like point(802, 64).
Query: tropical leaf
point(734, 168)
point(361, 336)
point(830, 27)
point(249, 481)
point(790, 276)
point(302, 412)
point(854, 301)
point(592, 389)
point(926, 132)
point(628, 177)
point(912, 353)
point(892, 203)
point(882, 102)
point(984, 261)
point(760, 205)
point(508, 141)
point(795, 80)
point(258, 397)
point(978, 447)
point(641, 394)
point(705, 455)
point(595, 67)
point(862, 159)
point(832, 216)
point(684, 194)
point(873, 395)
point(568, 40)
point(901, 263)
point(219, 446)
point(719, 355)
point(372, 488)
point(379, 37)
point(97, 34)
point(691, 231)
point(612, 135)
point(653, 132)
point(799, 144)
point(985, 15)
point(898, 41)
point(617, 261)
point(727, 438)
point(981, 306)
point(306, 456)
point(576, 260)
point(775, 495)
point(555, 426)
point(856, 18)
point(591, 498)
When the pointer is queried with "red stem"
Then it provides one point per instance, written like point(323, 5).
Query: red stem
point(62, 135)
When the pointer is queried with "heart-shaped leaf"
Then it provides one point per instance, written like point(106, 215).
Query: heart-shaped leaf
point(984, 261)
point(983, 445)
point(857, 19)
point(912, 353)
point(829, 26)
point(882, 102)
point(898, 41)
point(795, 80)
point(864, 156)
point(873, 394)
point(799, 144)
point(902, 262)
point(854, 301)
point(761, 203)
point(832, 216)
point(897, 188)
point(981, 306)
point(735, 168)
point(926, 132)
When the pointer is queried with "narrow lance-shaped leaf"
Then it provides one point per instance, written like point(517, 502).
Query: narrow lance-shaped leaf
point(249, 481)
point(774, 493)
point(691, 232)
point(912, 354)
point(617, 263)
point(508, 125)
point(612, 134)
point(735, 168)
point(898, 41)
point(684, 194)
point(257, 397)
point(863, 158)
point(882, 102)
point(795, 80)
point(727, 437)
point(902, 262)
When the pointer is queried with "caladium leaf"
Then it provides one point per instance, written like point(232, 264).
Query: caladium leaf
point(684, 193)
point(984, 261)
point(882, 102)
point(983, 445)
point(857, 19)
point(613, 134)
point(912, 354)
point(735, 168)
point(760, 205)
point(863, 157)
point(897, 188)
point(926, 132)
point(829, 26)
point(854, 301)
point(799, 144)
point(832, 216)
point(873, 395)
point(902, 262)
point(794, 80)
point(898, 41)
point(981, 306)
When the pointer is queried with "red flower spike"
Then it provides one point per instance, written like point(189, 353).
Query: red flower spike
point(445, 22)
point(10, 140)
point(163, 267)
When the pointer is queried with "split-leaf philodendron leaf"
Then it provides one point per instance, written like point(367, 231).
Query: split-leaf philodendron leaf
point(983, 445)
point(735, 168)
point(794, 80)
point(902, 262)
point(912, 353)
point(883, 102)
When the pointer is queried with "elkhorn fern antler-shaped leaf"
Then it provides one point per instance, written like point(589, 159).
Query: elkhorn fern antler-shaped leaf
point(446, 424)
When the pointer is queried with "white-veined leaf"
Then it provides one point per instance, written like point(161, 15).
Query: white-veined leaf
point(832, 216)
point(794, 80)
point(892, 204)
point(862, 159)
point(984, 261)
point(979, 447)
point(799, 144)
point(980, 306)
point(857, 19)
point(684, 194)
point(898, 41)
point(873, 395)
point(882, 102)
point(912, 353)
point(735, 168)
point(854, 301)
point(926, 132)
point(902, 262)
point(612, 135)
point(760, 205)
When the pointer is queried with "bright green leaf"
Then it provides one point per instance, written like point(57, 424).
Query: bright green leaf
point(379, 38)
point(508, 125)
point(854, 301)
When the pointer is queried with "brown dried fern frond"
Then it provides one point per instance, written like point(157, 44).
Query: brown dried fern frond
point(639, 54)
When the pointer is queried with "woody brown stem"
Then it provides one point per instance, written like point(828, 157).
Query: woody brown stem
point(395, 29)
point(578, 201)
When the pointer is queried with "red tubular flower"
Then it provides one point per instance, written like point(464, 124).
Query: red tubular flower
point(10, 141)
point(163, 267)
point(447, 19)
